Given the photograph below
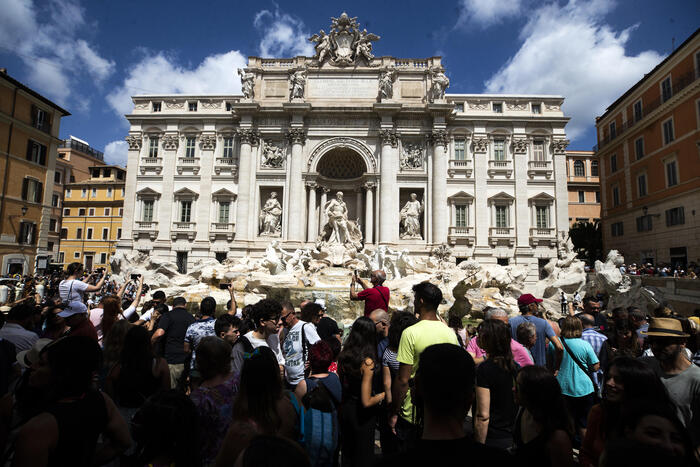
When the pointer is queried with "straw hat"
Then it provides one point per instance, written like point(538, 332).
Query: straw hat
point(665, 327)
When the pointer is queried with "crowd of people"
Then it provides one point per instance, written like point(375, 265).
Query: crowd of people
point(93, 374)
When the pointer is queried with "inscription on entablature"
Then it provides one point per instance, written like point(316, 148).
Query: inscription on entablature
point(272, 121)
point(411, 89)
point(412, 123)
point(339, 88)
point(341, 122)
point(275, 88)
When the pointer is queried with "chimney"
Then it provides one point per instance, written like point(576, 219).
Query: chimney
point(3, 70)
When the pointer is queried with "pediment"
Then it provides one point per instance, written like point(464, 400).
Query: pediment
point(223, 193)
point(186, 192)
point(462, 195)
point(148, 192)
point(542, 197)
point(502, 195)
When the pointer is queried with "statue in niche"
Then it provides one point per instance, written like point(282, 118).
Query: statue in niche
point(338, 229)
point(273, 156)
point(440, 83)
point(270, 216)
point(411, 156)
point(297, 84)
point(410, 218)
point(247, 83)
point(386, 84)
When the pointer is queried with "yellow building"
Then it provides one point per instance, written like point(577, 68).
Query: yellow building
point(92, 217)
point(583, 184)
point(29, 125)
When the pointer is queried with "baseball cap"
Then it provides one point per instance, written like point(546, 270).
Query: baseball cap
point(527, 298)
point(27, 358)
point(74, 308)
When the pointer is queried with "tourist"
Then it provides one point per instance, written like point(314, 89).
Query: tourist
point(520, 354)
point(311, 312)
point(622, 341)
point(104, 318)
point(76, 317)
point(296, 337)
point(113, 343)
point(376, 296)
point(527, 336)
point(543, 430)
point(455, 322)
point(495, 409)
point(597, 342)
point(335, 346)
point(574, 373)
point(593, 306)
point(328, 327)
point(321, 395)
point(265, 318)
point(214, 396)
point(203, 327)
point(528, 307)
point(427, 331)
point(172, 328)
point(54, 325)
point(272, 451)
point(380, 318)
point(226, 327)
point(67, 432)
point(262, 406)
point(357, 365)
point(154, 315)
point(627, 379)
point(73, 288)
point(639, 322)
point(18, 327)
point(444, 389)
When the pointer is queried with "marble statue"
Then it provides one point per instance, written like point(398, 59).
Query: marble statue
point(410, 218)
point(337, 214)
point(273, 156)
point(270, 216)
point(411, 156)
point(363, 45)
point(386, 84)
point(440, 83)
point(247, 83)
point(323, 45)
point(345, 43)
point(297, 84)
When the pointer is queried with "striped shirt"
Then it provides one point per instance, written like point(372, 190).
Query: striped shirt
point(597, 341)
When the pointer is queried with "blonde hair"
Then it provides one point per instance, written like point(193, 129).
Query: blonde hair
point(571, 327)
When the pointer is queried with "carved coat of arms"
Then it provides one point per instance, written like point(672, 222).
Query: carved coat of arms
point(345, 43)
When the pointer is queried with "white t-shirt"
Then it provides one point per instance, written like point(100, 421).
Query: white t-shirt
point(76, 288)
point(293, 351)
point(273, 342)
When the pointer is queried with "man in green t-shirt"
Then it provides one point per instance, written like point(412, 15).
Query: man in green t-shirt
point(428, 331)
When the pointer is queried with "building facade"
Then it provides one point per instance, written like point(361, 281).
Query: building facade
point(80, 156)
point(648, 149)
point(92, 217)
point(417, 167)
point(583, 183)
point(29, 128)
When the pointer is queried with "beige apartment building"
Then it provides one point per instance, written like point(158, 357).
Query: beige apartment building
point(583, 184)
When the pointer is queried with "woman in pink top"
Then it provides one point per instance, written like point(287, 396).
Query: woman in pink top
point(520, 354)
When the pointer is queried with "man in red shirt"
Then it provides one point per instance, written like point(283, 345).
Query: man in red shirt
point(376, 296)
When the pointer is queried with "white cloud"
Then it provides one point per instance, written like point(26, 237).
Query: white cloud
point(49, 45)
point(567, 50)
point(161, 74)
point(117, 153)
point(487, 12)
point(283, 34)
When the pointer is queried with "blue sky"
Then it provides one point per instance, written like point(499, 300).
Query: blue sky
point(91, 56)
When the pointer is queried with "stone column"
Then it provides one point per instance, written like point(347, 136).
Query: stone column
point(207, 143)
point(369, 213)
point(295, 229)
point(312, 219)
point(249, 138)
point(388, 224)
point(135, 142)
point(358, 203)
point(561, 206)
point(520, 220)
point(439, 194)
point(322, 208)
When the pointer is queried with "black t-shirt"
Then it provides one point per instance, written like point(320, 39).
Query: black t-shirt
point(502, 408)
point(448, 453)
point(175, 324)
point(327, 327)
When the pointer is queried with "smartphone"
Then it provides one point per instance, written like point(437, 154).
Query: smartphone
point(224, 286)
point(135, 276)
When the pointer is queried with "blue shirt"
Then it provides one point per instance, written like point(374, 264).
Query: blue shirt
point(543, 331)
point(597, 340)
point(573, 380)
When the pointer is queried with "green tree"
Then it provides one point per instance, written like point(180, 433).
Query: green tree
point(587, 238)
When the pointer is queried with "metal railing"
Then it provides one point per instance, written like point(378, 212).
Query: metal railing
point(84, 148)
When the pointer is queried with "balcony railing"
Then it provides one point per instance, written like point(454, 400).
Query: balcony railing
point(189, 160)
point(147, 225)
point(501, 231)
point(84, 148)
point(189, 163)
point(459, 165)
point(539, 167)
point(542, 232)
point(183, 226)
point(152, 161)
point(539, 164)
point(225, 161)
point(503, 167)
point(222, 226)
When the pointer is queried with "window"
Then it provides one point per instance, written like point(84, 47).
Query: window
point(461, 215)
point(228, 107)
point(105, 233)
point(91, 212)
point(459, 149)
point(499, 150)
point(36, 152)
point(103, 258)
point(119, 233)
point(121, 212)
point(671, 173)
point(109, 192)
point(637, 110)
point(106, 173)
point(148, 210)
point(66, 212)
point(81, 212)
point(79, 233)
point(675, 216)
point(156, 106)
point(642, 185)
point(182, 262)
point(55, 199)
point(597, 196)
point(108, 212)
point(594, 168)
point(50, 246)
point(639, 147)
point(613, 130)
point(498, 108)
point(57, 177)
point(579, 169)
point(95, 173)
point(613, 163)
point(89, 233)
point(581, 196)
point(616, 229)
point(459, 107)
point(40, 119)
point(668, 131)
point(61, 257)
point(542, 217)
point(83, 193)
point(666, 91)
point(185, 210)
point(32, 190)
point(501, 216)
point(189, 146)
point(192, 106)
point(538, 150)
point(123, 191)
point(616, 196)
point(536, 109)
point(68, 192)
point(643, 223)
point(52, 225)
point(224, 208)
point(72, 179)
point(94, 192)
point(76, 254)
point(120, 175)
point(220, 256)
point(228, 147)
point(64, 234)
point(502, 261)
point(153, 146)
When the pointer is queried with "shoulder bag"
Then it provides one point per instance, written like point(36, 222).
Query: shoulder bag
point(585, 369)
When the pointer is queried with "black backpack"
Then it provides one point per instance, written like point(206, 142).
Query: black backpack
point(319, 398)
point(247, 346)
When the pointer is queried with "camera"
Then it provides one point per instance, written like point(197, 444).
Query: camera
point(135, 276)
point(224, 286)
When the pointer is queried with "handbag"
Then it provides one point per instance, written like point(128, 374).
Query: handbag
point(596, 393)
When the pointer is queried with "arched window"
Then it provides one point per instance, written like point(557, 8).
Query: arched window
point(579, 170)
point(594, 168)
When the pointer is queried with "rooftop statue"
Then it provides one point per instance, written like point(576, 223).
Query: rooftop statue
point(345, 43)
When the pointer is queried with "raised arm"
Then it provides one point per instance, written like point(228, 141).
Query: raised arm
point(366, 397)
point(233, 309)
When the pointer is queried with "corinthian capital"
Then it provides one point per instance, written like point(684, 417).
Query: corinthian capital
point(439, 138)
point(389, 137)
point(134, 141)
point(559, 145)
point(248, 136)
point(296, 135)
point(207, 141)
point(520, 145)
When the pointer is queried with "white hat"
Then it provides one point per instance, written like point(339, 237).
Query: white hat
point(73, 308)
point(27, 358)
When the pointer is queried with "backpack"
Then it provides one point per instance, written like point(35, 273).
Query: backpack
point(318, 424)
point(247, 346)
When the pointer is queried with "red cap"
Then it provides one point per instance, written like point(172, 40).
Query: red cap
point(527, 298)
